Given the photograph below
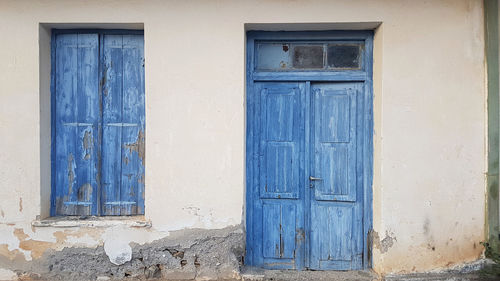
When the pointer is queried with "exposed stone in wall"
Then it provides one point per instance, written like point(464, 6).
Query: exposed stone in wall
point(183, 255)
point(385, 244)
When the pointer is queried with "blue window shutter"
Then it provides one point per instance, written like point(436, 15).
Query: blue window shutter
point(77, 119)
point(123, 125)
point(99, 124)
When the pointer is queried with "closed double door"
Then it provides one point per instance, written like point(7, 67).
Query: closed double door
point(307, 207)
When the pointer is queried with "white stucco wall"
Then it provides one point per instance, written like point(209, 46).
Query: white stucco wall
point(429, 110)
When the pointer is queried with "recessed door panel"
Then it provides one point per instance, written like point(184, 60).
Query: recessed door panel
point(334, 141)
point(332, 231)
point(279, 230)
point(282, 131)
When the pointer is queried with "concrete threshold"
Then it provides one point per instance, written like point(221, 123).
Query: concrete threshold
point(259, 274)
point(441, 277)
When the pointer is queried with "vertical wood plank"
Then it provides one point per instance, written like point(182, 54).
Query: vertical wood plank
point(112, 124)
point(305, 178)
point(88, 117)
point(66, 78)
point(53, 119)
point(272, 232)
point(133, 137)
point(249, 257)
point(288, 230)
point(367, 131)
point(256, 188)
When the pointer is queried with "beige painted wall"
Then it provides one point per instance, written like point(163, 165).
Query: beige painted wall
point(429, 110)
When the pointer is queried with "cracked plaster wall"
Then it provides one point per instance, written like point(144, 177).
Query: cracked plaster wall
point(119, 252)
point(429, 112)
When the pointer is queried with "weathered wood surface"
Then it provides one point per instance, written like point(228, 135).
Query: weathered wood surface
point(99, 124)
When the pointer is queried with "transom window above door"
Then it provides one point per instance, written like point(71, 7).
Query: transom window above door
point(98, 122)
point(317, 56)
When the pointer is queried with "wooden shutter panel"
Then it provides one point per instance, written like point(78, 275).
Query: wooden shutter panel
point(76, 123)
point(123, 125)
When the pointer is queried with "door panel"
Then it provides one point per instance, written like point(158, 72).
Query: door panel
point(336, 217)
point(282, 112)
point(334, 140)
point(279, 210)
point(279, 229)
point(331, 238)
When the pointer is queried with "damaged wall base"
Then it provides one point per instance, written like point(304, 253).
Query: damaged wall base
point(183, 255)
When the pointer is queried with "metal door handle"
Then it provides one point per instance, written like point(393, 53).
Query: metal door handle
point(314, 179)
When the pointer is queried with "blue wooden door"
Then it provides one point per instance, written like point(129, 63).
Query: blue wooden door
point(98, 124)
point(281, 113)
point(336, 209)
point(309, 150)
point(307, 166)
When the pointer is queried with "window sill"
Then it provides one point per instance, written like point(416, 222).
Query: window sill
point(91, 221)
